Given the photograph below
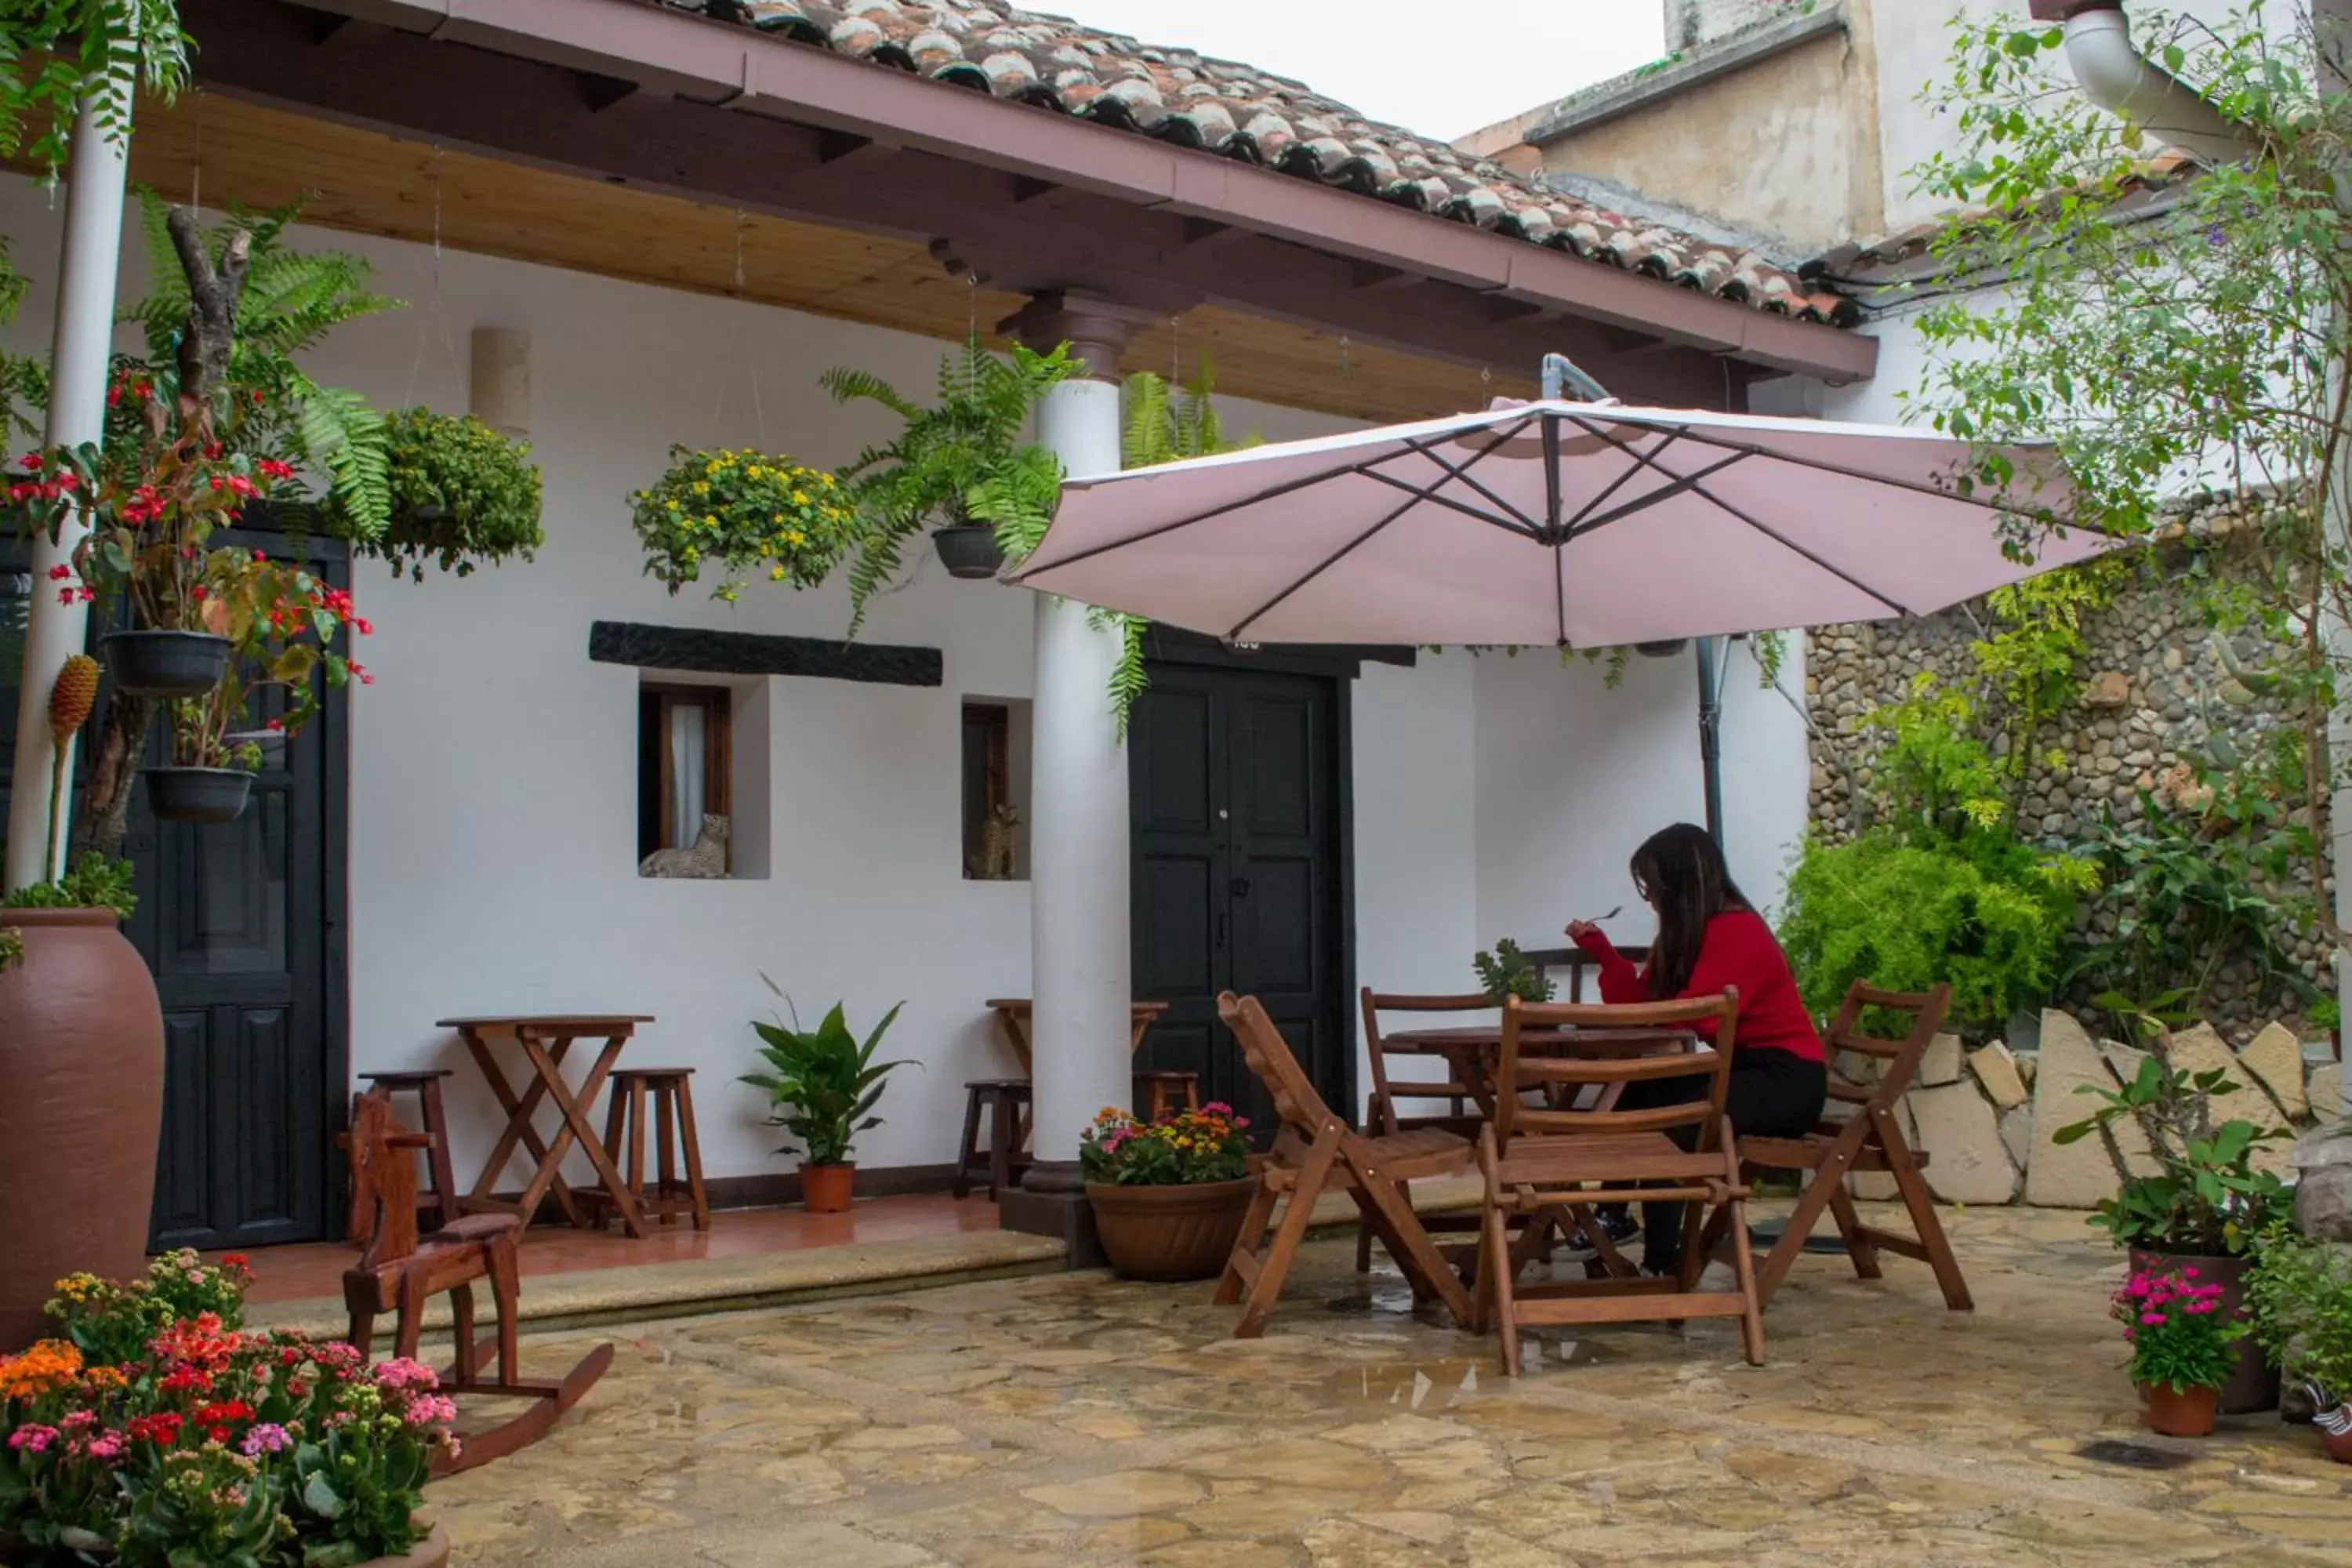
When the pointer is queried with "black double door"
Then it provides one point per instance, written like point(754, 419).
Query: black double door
point(240, 923)
point(1237, 784)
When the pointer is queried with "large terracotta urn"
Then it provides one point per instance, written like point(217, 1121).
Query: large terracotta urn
point(81, 1109)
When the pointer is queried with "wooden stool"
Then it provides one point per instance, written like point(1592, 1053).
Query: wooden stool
point(1164, 1088)
point(673, 1117)
point(1007, 1101)
point(441, 1196)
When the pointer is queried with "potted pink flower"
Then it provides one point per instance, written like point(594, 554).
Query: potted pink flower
point(2184, 1339)
point(1168, 1197)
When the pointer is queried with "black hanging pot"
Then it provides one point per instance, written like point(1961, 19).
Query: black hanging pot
point(969, 550)
point(1666, 649)
point(198, 795)
point(164, 664)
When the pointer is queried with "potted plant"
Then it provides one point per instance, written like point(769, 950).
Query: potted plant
point(2301, 1293)
point(82, 1027)
point(1169, 1197)
point(462, 495)
point(823, 1084)
point(963, 468)
point(1506, 971)
point(747, 512)
point(154, 1430)
point(2184, 1337)
point(282, 624)
point(2205, 1206)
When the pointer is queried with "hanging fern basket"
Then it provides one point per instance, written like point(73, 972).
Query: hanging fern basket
point(968, 551)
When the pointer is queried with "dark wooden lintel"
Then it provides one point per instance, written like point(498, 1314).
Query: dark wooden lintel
point(750, 653)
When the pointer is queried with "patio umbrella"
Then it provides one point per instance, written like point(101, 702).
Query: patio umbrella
point(1569, 523)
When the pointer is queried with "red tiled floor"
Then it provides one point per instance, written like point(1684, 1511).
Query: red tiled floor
point(306, 1272)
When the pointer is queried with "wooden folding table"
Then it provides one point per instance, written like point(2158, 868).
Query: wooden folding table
point(544, 1041)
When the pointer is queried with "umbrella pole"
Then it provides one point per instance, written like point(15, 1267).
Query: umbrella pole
point(1711, 733)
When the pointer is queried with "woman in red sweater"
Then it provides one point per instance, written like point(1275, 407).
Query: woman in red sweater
point(1710, 937)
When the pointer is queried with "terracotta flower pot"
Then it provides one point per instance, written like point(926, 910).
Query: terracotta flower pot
point(826, 1189)
point(2254, 1384)
point(1169, 1234)
point(2177, 1414)
point(81, 1103)
point(433, 1552)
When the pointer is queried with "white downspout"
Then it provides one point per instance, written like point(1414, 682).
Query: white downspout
point(2115, 76)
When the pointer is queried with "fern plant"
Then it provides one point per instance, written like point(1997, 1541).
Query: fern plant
point(1165, 423)
point(966, 460)
point(291, 300)
point(56, 54)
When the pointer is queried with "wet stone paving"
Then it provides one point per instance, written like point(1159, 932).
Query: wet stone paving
point(1074, 1419)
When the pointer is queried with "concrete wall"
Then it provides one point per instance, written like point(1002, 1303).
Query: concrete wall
point(493, 785)
point(1769, 148)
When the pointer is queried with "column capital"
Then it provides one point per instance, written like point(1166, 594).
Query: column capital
point(1097, 329)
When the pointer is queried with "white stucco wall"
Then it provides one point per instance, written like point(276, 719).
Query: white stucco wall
point(493, 776)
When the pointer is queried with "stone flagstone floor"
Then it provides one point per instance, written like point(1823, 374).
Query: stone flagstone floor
point(1071, 1419)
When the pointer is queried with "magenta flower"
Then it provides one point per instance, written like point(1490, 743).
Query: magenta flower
point(2151, 1319)
point(267, 1438)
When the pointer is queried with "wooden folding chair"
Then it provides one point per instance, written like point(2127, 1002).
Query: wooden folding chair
point(1383, 1119)
point(1314, 1149)
point(1869, 1139)
point(1539, 1161)
point(401, 1271)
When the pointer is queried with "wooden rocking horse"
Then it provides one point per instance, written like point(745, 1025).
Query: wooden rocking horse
point(400, 1271)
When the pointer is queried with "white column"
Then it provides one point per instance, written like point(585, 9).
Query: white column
point(78, 356)
point(1079, 951)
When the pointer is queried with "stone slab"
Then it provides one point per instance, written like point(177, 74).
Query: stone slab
point(1941, 1063)
point(1877, 1186)
point(2201, 1050)
point(2324, 1089)
point(2076, 1175)
point(1966, 1162)
point(2017, 1135)
point(2275, 1058)
point(1996, 1072)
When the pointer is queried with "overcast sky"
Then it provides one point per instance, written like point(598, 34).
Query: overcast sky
point(1440, 68)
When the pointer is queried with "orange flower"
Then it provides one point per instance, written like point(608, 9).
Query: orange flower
point(51, 1363)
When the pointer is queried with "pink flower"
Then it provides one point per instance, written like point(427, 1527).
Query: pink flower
point(2189, 1273)
point(403, 1372)
point(33, 1437)
point(2151, 1319)
point(432, 1410)
point(267, 1438)
point(108, 1446)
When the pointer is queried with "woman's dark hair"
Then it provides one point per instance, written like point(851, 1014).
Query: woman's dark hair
point(1681, 872)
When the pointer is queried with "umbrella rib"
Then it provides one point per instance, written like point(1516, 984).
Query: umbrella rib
point(1425, 493)
point(1273, 492)
point(1462, 472)
point(1641, 461)
point(1840, 469)
point(1848, 578)
point(1320, 567)
point(1675, 487)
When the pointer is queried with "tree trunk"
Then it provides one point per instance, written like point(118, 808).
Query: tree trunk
point(104, 820)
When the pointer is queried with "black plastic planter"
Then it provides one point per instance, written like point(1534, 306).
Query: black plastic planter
point(164, 664)
point(1662, 649)
point(198, 795)
point(968, 551)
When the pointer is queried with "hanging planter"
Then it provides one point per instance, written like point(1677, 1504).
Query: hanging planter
point(164, 664)
point(198, 795)
point(968, 551)
point(1666, 649)
point(462, 496)
point(749, 512)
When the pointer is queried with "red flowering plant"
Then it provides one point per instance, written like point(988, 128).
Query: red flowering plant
point(1183, 1148)
point(111, 1321)
point(210, 1445)
point(284, 626)
point(2180, 1337)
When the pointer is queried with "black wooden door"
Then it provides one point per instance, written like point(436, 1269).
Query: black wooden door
point(1235, 787)
point(240, 923)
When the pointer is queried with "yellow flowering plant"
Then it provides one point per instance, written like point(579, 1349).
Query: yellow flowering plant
point(748, 513)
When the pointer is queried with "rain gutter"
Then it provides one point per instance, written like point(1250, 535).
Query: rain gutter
point(2115, 75)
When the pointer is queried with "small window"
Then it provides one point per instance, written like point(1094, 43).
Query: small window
point(685, 767)
point(995, 829)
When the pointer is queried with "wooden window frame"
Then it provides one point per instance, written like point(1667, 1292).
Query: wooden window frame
point(996, 772)
point(717, 705)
